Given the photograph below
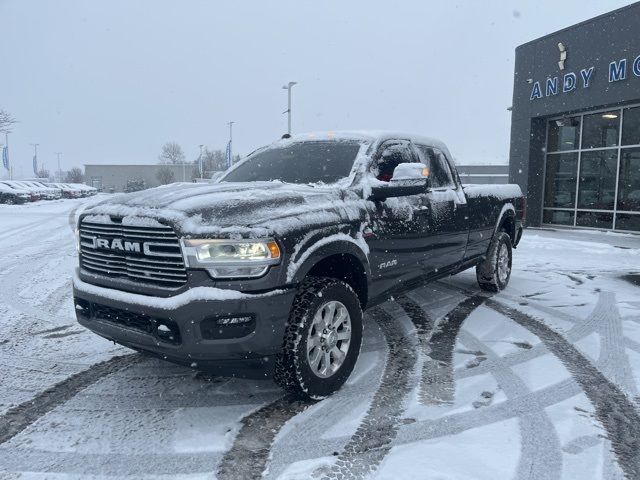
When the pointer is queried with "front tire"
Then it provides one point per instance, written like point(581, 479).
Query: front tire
point(494, 272)
point(322, 339)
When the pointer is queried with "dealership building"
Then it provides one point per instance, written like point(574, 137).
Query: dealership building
point(575, 133)
point(114, 178)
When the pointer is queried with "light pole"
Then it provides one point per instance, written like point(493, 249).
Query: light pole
point(6, 145)
point(35, 157)
point(59, 171)
point(200, 163)
point(287, 87)
point(230, 148)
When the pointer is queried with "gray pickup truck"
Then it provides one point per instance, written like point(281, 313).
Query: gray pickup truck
point(268, 270)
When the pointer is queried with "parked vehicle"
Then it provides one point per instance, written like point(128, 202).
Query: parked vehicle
point(34, 194)
point(13, 196)
point(270, 268)
point(67, 190)
point(86, 190)
point(51, 193)
point(45, 193)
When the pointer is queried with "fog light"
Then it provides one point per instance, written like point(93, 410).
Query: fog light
point(83, 308)
point(168, 333)
point(235, 320)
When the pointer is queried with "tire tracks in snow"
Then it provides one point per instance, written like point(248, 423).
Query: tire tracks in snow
point(424, 328)
point(437, 341)
point(18, 418)
point(540, 455)
point(373, 439)
point(614, 410)
point(248, 456)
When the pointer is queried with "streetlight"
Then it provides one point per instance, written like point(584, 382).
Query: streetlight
point(229, 148)
point(287, 87)
point(59, 171)
point(200, 162)
point(35, 157)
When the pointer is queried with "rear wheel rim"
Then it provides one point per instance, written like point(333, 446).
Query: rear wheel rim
point(504, 269)
point(329, 339)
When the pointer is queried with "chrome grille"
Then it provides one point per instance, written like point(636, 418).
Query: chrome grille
point(142, 254)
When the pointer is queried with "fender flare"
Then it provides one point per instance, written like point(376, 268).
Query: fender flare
point(339, 244)
point(508, 210)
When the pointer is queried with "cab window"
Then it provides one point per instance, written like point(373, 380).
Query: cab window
point(392, 155)
point(434, 159)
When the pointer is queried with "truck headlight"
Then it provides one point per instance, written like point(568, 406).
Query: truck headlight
point(232, 258)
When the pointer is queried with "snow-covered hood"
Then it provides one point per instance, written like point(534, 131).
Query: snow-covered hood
point(247, 209)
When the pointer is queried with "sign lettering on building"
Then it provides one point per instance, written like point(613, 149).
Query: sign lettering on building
point(618, 71)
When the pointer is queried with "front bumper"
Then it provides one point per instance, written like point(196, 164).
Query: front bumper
point(187, 328)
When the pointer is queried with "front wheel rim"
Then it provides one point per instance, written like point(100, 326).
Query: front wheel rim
point(329, 339)
point(503, 264)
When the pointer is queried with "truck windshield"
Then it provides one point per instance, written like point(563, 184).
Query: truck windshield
point(304, 162)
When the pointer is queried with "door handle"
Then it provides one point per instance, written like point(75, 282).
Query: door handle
point(421, 210)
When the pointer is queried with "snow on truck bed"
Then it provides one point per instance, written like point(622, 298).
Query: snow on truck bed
point(499, 191)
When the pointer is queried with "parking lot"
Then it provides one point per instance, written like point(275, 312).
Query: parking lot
point(537, 382)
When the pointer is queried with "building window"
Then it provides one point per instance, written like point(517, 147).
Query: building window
point(600, 130)
point(631, 126)
point(597, 188)
point(629, 180)
point(560, 181)
point(627, 221)
point(592, 170)
point(594, 220)
point(558, 217)
point(564, 134)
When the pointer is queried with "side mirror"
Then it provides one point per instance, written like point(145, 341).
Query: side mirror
point(408, 179)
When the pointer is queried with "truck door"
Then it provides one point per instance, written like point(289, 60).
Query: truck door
point(446, 231)
point(396, 235)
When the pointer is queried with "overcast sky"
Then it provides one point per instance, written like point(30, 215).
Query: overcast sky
point(111, 81)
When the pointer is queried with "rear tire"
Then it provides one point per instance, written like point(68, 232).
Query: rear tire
point(494, 272)
point(322, 340)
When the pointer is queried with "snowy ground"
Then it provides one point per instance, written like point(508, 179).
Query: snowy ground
point(538, 382)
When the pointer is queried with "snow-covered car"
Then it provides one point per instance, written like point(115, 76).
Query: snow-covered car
point(51, 192)
point(45, 193)
point(34, 193)
point(269, 269)
point(85, 190)
point(66, 190)
point(12, 195)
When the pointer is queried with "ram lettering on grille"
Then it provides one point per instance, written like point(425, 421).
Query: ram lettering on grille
point(143, 254)
point(116, 244)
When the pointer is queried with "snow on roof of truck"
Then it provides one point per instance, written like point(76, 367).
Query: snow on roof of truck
point(368, 136)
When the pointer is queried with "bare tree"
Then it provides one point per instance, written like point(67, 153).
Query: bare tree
point(171, 153)
point(42, 173)
point(212, 161)
point(74, 175)
point(6, 121)
point(165, 175)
